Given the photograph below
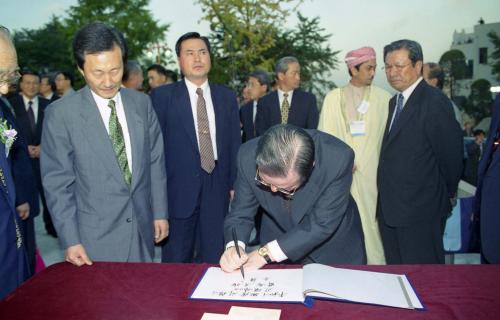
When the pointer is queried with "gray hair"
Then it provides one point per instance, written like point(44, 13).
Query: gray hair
point(285, 147)
point(132, 67)
point(261, 76)
point(282, 64)
point(413, 47)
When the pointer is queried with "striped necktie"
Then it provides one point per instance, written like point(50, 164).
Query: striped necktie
point(206, 148)
point(285, 108)
point(399, 108)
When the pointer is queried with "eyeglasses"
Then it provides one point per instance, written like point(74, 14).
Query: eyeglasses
point(10, 77)
point(285, 192)
point(398, 67)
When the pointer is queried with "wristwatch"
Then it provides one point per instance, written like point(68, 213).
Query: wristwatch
point(263, 252)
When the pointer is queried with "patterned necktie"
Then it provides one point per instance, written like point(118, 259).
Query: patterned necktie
point(285, 107)
point(31, 116)
point(399, 108)
point(206, 149)
point(116, 137)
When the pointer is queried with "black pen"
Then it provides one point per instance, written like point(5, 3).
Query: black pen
point(235, 239)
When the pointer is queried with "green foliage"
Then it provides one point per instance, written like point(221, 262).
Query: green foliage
point(479, 103)
point(44, 49)
point(250, 34)
point(495, 56)
point(50, 47)
point(453, 62)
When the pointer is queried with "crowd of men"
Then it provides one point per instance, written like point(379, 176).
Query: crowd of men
point(369, 179)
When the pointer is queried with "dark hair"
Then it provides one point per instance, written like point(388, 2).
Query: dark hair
point(132, 66)
point(357, 68)
point(67, 75)
point(262, 77)
point(413, 47)
point(436, 72)
point(97, 37)
point(172, 75)
point(477, 132)
point(187, 36)
point(158, 68)
point(50, 80)
point(284, 147)
point(30, 72)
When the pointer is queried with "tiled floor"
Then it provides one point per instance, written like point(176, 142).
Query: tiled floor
point(52, 253)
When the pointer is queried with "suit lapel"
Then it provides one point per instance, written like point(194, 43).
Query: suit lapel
point(135, 129)
point(218, 104)
point(40, 116)
point(406, 115)
point(182, 105)
point(97, 136)
point(275, 108)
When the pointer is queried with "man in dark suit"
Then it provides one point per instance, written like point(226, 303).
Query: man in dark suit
point(201, 129)
point(420, 161)
point(29, 109)
point(310, 214)
point(487, 203)
point(12, 250)
point(48, 88)
point(257, 86)
point(287, 104)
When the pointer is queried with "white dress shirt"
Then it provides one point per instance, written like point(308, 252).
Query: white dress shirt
point(406, 95)
point(34, 106)
point(193, 98)
point(105, 111)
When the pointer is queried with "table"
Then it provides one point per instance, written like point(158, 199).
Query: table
point(160, 291)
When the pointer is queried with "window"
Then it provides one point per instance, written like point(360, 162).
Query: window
point(483, 55)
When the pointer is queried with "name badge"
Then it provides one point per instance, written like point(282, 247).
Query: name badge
point(357, 128)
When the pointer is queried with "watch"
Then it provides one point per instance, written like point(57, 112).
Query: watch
point(263, 252)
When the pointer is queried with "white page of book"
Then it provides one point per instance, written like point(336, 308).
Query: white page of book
point(276, 285)
point(359, 286)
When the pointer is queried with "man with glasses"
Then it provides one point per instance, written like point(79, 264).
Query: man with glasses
point(302, 180)
point(420, 161)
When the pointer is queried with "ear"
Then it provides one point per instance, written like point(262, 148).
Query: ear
point(419, 65)
point(81, 72)
point(281, 76)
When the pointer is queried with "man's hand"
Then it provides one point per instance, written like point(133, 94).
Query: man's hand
point(230, 261)
point(34, 151)
point(76, 255)
point(23, 210)
point(161, 230)
point(255, 261)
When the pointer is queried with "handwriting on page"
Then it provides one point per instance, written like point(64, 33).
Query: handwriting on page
point(253, 287)
point(259, 285)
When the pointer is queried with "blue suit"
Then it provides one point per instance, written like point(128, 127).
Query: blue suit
point(12, 254)
point(487, 201)
point(247, 121)
point(197, 201)
point(303, 111)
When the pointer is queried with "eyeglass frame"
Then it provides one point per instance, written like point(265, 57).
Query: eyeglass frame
point(285, 192)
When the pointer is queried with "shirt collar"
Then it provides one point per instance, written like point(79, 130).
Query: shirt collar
point(27, 100)
point(103, 102)
point(408, 91)
point(192, 87)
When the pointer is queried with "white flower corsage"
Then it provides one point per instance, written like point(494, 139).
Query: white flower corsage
point(7, 136)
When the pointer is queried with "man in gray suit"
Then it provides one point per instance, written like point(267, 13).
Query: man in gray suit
point(102, 160)
point(302, 179)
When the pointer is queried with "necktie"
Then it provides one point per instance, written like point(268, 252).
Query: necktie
point(399, 108)
point(31, 116)
point(116, 137)
point(285, 107)
point(206, 149)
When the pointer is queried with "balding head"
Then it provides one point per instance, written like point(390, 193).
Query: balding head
point(8, 61)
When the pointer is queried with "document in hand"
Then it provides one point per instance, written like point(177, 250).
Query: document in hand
point(312, 281)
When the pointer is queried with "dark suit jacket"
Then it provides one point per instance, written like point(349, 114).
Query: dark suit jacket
point(420, 159)
point(320, 224)
point(487, 200)
point(22, 169)
point(182, 156)
point(303, 111)
point(246, 118)
point(12, 258)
